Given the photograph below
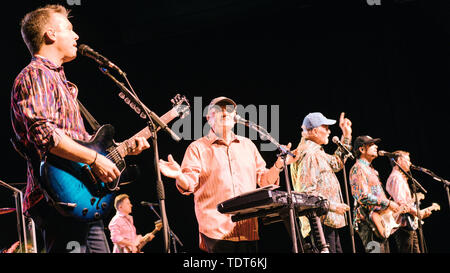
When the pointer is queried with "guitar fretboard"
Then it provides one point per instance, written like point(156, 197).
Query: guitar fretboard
point(126, 146)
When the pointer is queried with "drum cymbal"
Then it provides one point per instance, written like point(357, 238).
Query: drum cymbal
point(6, 210)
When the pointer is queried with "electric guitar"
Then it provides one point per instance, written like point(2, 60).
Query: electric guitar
point(148, 236)
point(75, 190)
point(412, 222)
point(385, 221)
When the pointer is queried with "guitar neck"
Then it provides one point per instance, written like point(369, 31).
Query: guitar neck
point(124, 147)
point(146, 238)
point(430, 209)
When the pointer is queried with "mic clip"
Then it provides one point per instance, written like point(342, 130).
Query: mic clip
point(347, 153)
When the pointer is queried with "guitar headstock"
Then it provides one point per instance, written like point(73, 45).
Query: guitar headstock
point(158, 225)
point(181, 104)
point(435, 206)
point(420, 196)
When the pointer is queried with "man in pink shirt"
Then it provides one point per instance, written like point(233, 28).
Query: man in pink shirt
point(397, 186)
point(218, 167)
point(121, 226)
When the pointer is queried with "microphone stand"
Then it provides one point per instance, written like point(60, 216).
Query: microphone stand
point(445, 183)
point(283, 154)
point(415, 185)
point(151, 117)
point(347, 154)
point(349, 214)
point(136, 100)
point(172, 234)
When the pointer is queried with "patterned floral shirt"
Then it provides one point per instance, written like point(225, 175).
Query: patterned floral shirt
point(314, 173)
point(366, 190)
point(43, 107)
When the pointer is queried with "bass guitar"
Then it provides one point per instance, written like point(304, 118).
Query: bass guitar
point(71, 186)
point(412, 222)
point(148, 237)
point(142, 241)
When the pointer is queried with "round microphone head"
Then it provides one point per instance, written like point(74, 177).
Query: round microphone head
point(82, 48)
point(335, 139)
point(239, 119)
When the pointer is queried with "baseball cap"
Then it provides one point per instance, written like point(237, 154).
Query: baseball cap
point(364, 140)
point(316, 119)
point(220, 101)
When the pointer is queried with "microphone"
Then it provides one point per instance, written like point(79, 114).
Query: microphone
point(145, 203)
point(239, 119)
point(387, 154)
point(89, 52)
point(263, 133)
point(336, 141)
point(418, 168)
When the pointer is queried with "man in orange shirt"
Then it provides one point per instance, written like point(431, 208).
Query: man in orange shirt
point(218, 167)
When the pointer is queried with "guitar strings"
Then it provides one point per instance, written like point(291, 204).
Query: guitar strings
point(114, 156)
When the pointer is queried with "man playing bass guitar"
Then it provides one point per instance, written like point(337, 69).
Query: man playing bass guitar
point(397, 186)
point(123, 231)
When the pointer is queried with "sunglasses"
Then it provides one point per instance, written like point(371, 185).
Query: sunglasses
point(227, 108)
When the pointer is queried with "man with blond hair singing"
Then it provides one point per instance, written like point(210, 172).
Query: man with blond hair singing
point(46, 119)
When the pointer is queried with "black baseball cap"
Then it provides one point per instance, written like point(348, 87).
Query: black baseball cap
point(364, 140)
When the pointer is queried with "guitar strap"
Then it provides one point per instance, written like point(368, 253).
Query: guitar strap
point(28, 155)
point(90, 119)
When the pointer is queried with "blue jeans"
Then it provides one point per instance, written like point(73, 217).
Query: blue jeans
point(65, 235)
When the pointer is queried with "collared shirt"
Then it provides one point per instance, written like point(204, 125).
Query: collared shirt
point(398, 188)
point(314, 173)
point(366, 190)
point(122, 227)
point(43, 107)
point(218, 172)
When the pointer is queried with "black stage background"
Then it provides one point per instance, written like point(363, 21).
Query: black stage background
point(385, 66)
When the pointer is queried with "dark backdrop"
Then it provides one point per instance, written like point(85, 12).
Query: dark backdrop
point(385, 66)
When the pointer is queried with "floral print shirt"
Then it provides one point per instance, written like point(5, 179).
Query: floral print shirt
point(366, 190)
point(314, 173)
